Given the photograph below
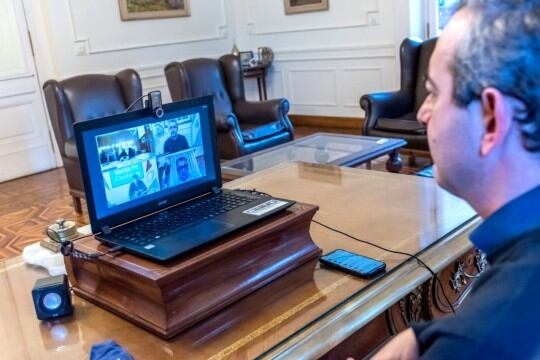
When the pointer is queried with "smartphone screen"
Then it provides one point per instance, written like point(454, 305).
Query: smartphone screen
point(352, 263)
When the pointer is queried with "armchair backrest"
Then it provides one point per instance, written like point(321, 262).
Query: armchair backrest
point(234, 77)
point(414, 58)
point(199, 77)
point(87, 97)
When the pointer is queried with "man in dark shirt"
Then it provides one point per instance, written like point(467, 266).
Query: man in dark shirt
point(175, 142)
point(482, 115)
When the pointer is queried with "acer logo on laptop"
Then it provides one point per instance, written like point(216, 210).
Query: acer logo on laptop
point(163, 202)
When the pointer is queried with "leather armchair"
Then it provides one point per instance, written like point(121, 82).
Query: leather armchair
point(243, 127)
point(393, 114)
point(82, 98)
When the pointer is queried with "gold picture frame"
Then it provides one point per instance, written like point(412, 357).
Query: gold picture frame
point(153, 9)
point(302, 6)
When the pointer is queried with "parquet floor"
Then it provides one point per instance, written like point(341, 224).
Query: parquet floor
point(28, 205)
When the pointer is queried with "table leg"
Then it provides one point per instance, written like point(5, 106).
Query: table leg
point(394, 163)
point(263, 81)
point(260, 88)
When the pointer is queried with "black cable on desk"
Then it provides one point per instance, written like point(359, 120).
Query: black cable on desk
point(438, 281)
point(423, 264)
point(67, 248)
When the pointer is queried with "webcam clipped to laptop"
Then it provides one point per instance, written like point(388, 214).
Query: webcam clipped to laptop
point(153, 185)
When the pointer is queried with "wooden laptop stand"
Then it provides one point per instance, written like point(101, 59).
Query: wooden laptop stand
point(166, 298)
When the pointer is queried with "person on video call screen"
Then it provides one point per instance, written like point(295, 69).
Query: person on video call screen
point(175, 142)
point(182, 168)
point(137, 188)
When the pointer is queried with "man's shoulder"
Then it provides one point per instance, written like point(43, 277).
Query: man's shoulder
point(512, 275)
point(502, 302)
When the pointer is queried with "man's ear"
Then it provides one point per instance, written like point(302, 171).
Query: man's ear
point(497, 119)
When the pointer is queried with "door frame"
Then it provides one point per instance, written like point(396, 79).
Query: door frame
point(36, 31)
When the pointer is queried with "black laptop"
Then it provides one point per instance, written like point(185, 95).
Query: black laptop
point(153, 185)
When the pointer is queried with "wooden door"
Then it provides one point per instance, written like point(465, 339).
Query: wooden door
point(25, 139)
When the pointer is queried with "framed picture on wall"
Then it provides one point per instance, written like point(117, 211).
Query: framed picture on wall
point(152, 9)
point(301, 6)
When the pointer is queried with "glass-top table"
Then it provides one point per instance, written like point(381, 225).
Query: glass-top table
point(319, 148)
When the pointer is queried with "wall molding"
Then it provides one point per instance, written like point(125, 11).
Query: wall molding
point(373, 51)
point(377, 69)
point(368, 18)
point(279, 75)
point(82, 44)
point(294, 102)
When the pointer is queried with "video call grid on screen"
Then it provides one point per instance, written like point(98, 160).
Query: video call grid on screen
point(149, 158)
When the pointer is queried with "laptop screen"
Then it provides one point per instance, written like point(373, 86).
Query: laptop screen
point(134, 163)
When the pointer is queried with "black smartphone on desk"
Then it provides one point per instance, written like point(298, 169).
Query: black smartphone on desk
point(352, 263)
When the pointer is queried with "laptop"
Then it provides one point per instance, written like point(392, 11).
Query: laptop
point(153, 185)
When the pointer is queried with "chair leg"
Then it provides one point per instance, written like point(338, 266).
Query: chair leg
point(77, 204)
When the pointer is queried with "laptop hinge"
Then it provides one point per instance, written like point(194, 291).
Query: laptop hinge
point(106, 230)
point(216, 190)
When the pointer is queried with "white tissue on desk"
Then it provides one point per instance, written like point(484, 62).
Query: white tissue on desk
point(35, 254)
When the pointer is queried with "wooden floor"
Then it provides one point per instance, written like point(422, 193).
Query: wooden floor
point(28, 205)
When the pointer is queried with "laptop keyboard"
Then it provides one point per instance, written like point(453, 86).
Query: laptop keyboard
point(170, 221)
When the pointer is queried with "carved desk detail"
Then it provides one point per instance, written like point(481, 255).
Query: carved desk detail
point(460, 276)
point(427, 301)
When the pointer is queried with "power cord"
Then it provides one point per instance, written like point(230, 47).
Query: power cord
point(134, 102)
point(433, 274)
point(67, 248)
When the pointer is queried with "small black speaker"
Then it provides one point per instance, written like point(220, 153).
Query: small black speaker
point(51, 297)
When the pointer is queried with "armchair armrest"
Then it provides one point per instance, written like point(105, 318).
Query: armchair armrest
point(70, 149)
point(386, 105)
point(261, 112)
point(226, 123)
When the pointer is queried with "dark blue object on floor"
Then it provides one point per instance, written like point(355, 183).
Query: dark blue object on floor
point(109, 350)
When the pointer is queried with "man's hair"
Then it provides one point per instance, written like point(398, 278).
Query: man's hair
point(181, 159)
point(502, 51)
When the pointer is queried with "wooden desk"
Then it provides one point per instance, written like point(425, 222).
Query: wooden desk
point(304, 314)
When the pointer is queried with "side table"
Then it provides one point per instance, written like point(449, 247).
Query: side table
point(258, 72)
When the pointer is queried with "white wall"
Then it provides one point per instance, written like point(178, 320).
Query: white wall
point(88, 37)
point(324, 61)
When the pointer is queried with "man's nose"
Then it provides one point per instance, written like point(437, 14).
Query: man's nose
point(423, 114)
